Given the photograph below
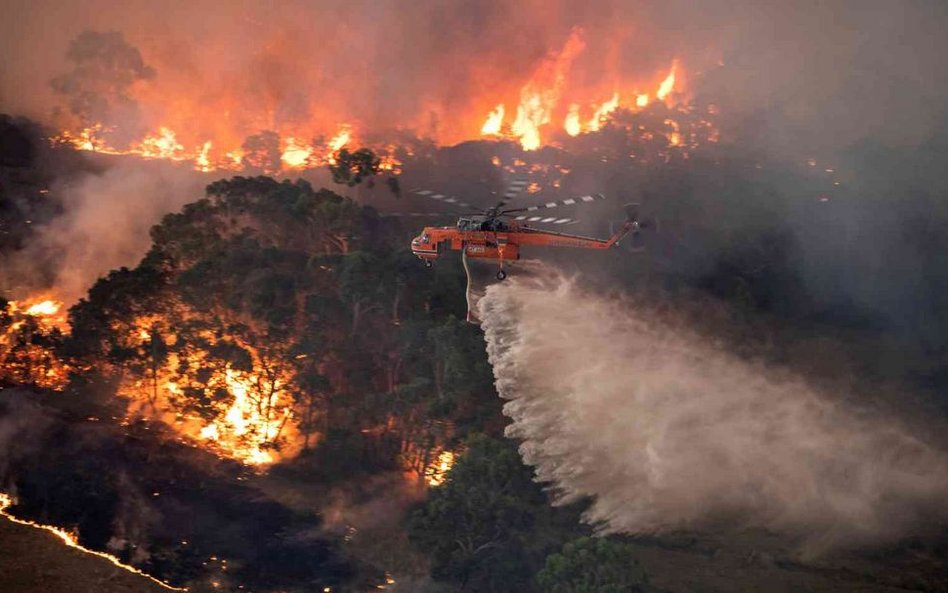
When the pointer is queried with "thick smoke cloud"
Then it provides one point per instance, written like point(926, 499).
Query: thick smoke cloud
point(104, 225)
point(666, 430)
point(104, 69)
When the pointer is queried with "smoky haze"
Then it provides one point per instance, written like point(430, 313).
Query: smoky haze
point(835, 72)
point(105, 223)
point(664, 429)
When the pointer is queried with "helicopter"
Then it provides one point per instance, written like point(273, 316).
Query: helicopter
point(499, 233)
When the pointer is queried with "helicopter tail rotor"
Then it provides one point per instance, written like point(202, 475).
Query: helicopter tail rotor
point(636, 224)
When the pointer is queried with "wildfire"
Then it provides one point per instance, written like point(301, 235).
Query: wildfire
point(214, 137)
point(47, 312)
point(539, 98)
point(437, 472)
point(202, 162)
point(667, 86)
point(163, 145)
point(28, 331)
point(244, 429)
point(494, 121)
point(340, 139)
point(71, 539)
point(296, 155)
point(335, 144)
point(45, 308)
point(603, 112)
point(572, 124)
point(248, 413)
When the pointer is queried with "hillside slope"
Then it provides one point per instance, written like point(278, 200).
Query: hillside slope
point(36, 561)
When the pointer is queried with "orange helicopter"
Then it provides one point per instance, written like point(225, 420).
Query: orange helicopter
point(498, 233)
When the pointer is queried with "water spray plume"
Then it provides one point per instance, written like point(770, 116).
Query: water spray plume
point(665, 430)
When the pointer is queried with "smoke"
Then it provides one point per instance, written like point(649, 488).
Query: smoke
point(104, 225)
point(22, 424)
point(665, 429)
point(104, 69)
point(834, 71)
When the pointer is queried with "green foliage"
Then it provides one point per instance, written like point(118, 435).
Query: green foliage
point(351, 168)
point(362, 165)
point(593, 565)
point(489, 525)
point(304, 289)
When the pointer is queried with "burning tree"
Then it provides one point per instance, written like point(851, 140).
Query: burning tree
point(264, 315)
point(30, 340)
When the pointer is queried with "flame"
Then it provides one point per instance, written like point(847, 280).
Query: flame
point(668, 85)
point(540, 96)
point(251, 416)
point(296, 155)
point(335, 144)
point(674, 137)
point(163, 145)
point(234, 158)
point(494, 121)
point(437, 473)
point(202, 162)
point(341, 138)
point(45, 308)
point(211, 134)
point(603, 112)
point(72, 541)
point(25, 356)
point(389, 162)
point(572, 125)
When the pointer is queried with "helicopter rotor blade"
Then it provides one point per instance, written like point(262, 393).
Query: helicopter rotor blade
point(513, 190)
point(559, 203)
point(414, 214)
point(443, 198)
point(545, 219)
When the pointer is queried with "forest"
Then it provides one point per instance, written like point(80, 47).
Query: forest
point(279, 359)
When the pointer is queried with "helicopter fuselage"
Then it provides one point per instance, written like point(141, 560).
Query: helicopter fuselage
point(490, 238)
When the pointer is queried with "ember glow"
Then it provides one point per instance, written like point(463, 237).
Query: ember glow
point(71, 539)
